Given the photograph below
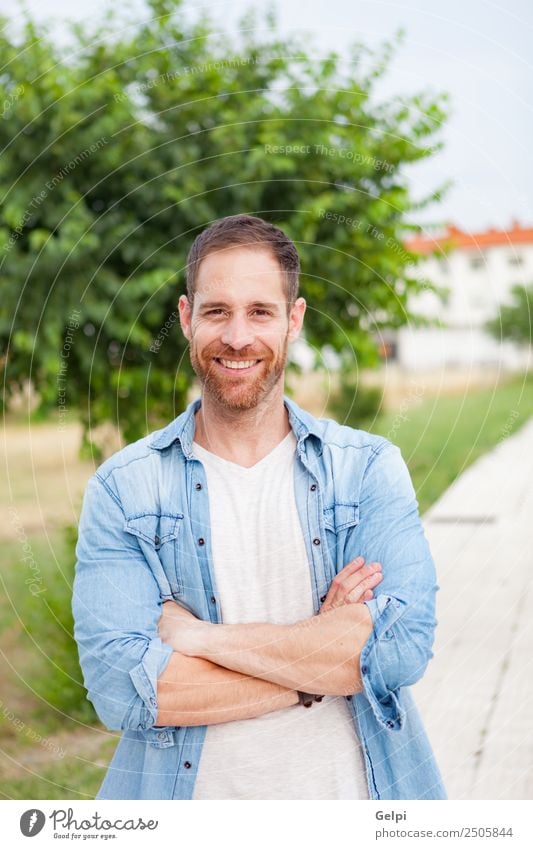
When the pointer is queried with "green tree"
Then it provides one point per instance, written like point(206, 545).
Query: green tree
point(515, 319)
point(117, 151)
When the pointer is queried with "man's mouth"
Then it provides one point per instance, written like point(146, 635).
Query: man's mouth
point(236, 365)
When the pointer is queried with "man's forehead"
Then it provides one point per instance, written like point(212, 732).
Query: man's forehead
point(240, 289)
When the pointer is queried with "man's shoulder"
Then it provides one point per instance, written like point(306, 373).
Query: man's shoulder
point(149, 452)
point(134, 454)
point(359, 465)
point(344, 436)
point(351, 454)
point(337, 435)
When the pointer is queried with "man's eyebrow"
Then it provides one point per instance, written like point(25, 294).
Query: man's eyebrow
point(209, 305)
point(270, 305)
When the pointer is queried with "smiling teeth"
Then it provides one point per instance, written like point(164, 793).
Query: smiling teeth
point(238, 363)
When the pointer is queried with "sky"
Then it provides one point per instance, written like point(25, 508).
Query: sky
point(479, 51)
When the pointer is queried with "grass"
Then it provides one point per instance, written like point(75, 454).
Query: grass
point(40, 627)
point(441, 436)
point(46, 721)
point(71, 777)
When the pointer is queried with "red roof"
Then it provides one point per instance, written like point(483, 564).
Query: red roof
point(453, 238)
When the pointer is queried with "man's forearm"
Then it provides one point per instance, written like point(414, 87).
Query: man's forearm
point(317, 655)
point(195, 691)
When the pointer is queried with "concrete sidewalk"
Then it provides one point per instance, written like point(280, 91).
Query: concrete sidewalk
point(477, 696)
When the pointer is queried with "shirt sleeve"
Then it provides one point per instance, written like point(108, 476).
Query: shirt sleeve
point(403, 610)
point(116, 606)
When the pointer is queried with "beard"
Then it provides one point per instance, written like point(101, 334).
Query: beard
point(239, 392)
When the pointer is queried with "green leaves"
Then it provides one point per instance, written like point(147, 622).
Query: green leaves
point(117, 153)
point(515, 319)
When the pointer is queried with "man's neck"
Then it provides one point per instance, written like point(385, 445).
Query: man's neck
point(242, 436)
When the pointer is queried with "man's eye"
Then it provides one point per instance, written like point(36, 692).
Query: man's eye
point(261, 312)
point(217, 311)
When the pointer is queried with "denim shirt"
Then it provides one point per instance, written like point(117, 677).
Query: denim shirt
point(144, 538)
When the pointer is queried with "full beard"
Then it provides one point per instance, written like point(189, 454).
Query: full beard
point(239, 392)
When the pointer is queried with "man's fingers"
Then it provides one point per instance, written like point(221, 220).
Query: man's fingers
point(348, 570)
point(352, 566)
point(345, 584)
point(359, 591)
point(351, 584)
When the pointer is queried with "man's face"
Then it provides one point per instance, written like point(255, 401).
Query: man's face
point(239, 330)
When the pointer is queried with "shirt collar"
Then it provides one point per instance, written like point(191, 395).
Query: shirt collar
point(182, 428)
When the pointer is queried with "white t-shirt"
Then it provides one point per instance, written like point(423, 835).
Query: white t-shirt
point(262, 575)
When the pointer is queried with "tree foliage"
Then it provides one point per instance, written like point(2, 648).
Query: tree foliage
point(118, 151)
point(515, 319)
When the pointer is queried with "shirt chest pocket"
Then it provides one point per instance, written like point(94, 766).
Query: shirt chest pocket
point(340, 518)
point(159, 539)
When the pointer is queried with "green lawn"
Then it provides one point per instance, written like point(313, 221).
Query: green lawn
point(73, 776)
point(441, 436)
point(49, 741)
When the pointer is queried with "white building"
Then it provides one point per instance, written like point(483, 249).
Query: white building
point(478, 269)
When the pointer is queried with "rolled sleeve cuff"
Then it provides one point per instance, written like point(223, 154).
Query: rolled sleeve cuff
point(379, 655)
point(143, 713)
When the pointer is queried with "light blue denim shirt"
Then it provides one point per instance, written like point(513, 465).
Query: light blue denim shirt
point(144, 538)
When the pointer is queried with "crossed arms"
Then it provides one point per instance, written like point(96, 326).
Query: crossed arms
point(219, 673)
point(197, 673)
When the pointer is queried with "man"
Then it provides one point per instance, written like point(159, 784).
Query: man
point(254, 592)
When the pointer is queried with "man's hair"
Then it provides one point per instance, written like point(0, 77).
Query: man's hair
point(245, 231)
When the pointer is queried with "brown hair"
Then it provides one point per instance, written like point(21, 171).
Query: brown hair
point(245, 230)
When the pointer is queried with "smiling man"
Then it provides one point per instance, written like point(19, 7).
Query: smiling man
point(254, 593)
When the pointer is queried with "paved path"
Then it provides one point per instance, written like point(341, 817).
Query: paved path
point(477, 695)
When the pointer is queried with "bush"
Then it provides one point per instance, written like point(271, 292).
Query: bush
point(354, 405)
point(514, 320)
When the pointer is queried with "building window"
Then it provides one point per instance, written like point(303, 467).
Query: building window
point(477, 262)
point(515, 259)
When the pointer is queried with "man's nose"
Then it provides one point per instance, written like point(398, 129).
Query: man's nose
point(237, 333)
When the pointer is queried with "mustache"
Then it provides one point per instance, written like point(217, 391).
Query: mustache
point(230, 353)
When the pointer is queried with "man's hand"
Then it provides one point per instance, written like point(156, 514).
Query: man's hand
point(354, 584)
point(315, 655)
point(180, 628)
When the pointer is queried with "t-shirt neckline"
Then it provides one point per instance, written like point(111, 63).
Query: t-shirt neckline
point(287, 441)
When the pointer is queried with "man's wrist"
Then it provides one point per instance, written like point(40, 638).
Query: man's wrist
point(197, 640)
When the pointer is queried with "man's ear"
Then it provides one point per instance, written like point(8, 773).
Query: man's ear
point(185, 313)
point(296, 318)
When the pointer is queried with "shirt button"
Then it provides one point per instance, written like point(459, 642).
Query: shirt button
point(213, 600)
point(153, 702)
point(201, 541)
point(364, 670)
point(198, 486)
point(313, 487)
point(187, 764)
point(316, 541)
point(157, 540)
point(162, 735)
point(322, 598)
point(348, 698)
point(389, 723)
